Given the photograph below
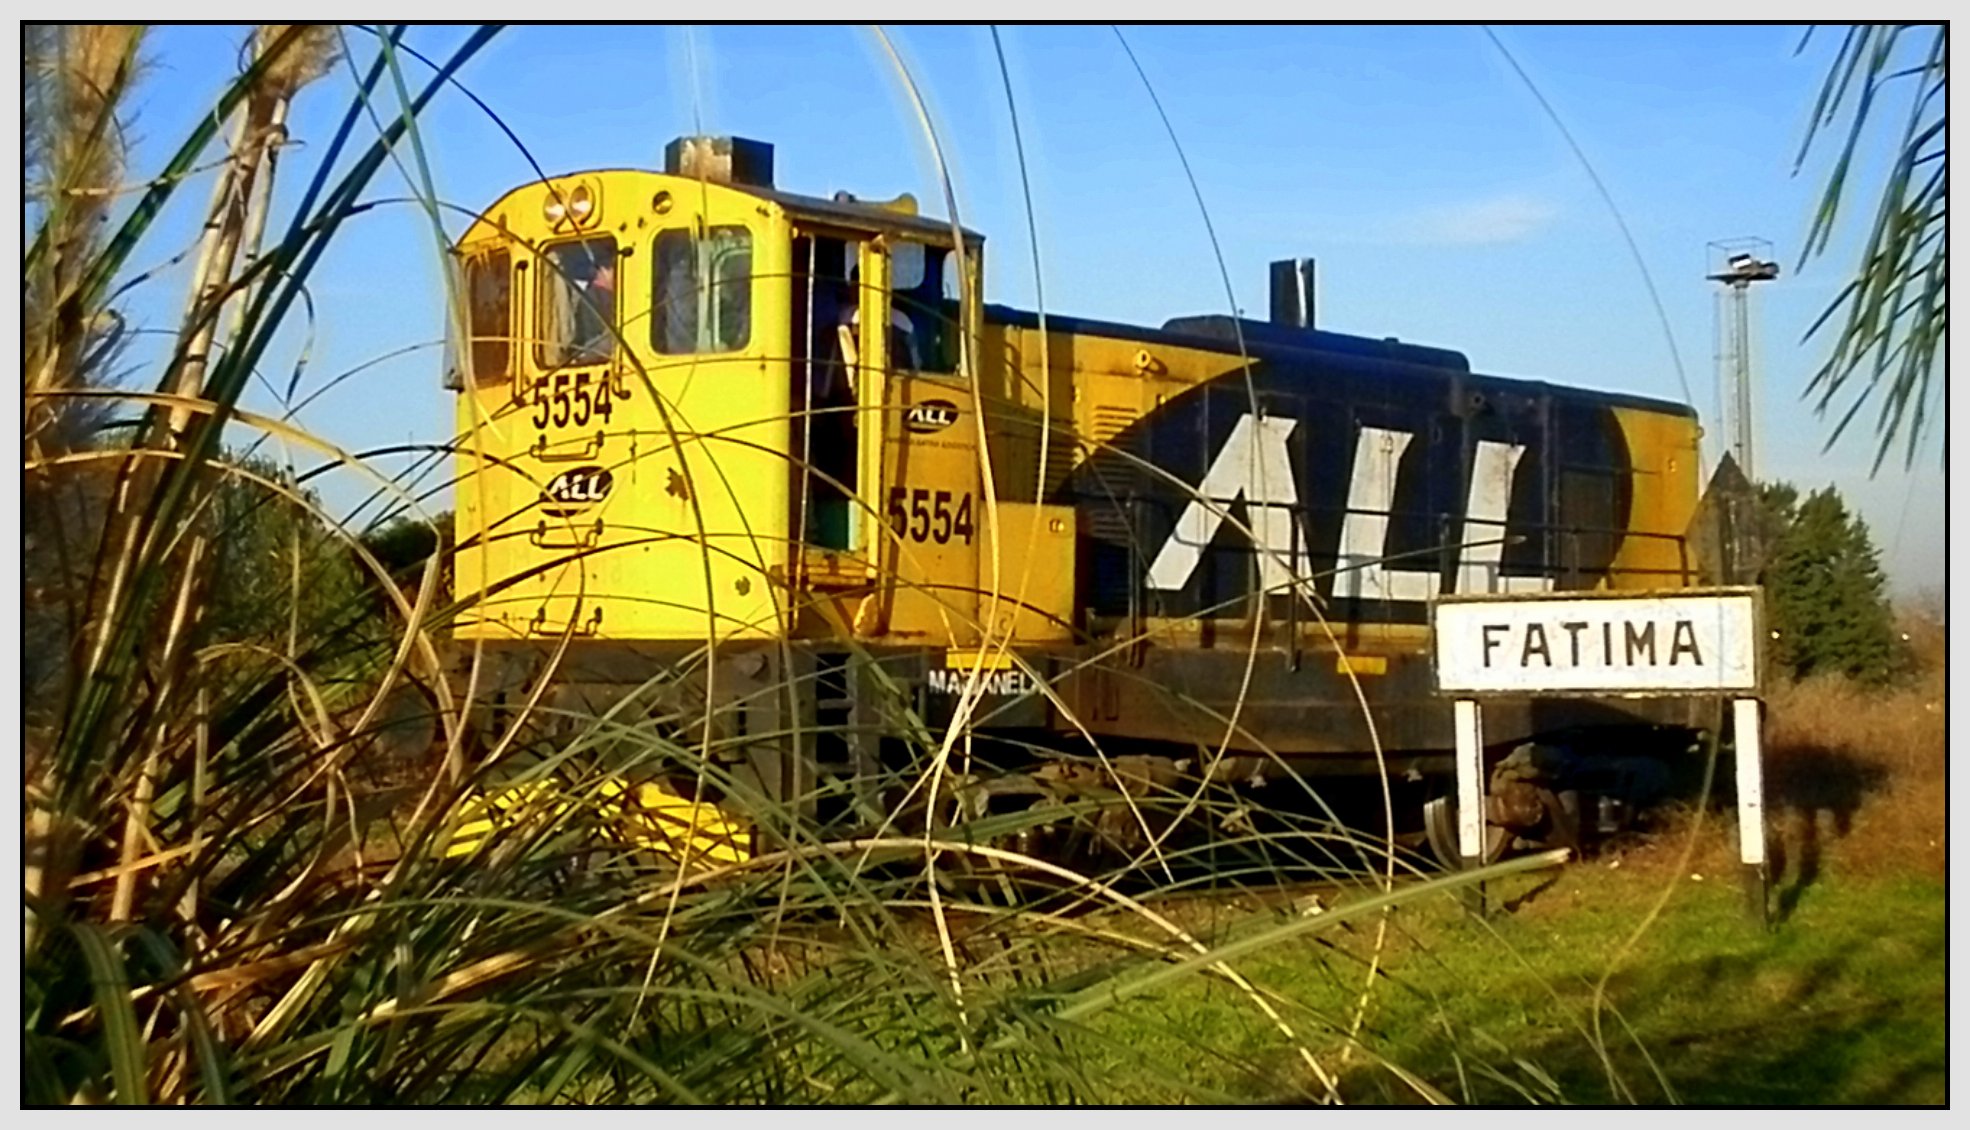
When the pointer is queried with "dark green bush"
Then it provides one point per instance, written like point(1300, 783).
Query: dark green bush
point(1825, 595)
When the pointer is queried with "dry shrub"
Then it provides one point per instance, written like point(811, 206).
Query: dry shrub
point(1856, 772)
point(1925, 634)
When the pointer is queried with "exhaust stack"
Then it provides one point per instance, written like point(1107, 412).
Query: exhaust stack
point(1292, 293)
point(721, 160)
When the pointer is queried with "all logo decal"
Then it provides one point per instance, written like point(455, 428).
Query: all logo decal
point(927, 416)
point(576, 488)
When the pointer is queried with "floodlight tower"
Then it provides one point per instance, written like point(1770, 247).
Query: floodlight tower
point(1737, 263)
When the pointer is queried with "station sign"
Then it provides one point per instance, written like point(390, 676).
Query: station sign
point(1666, 642)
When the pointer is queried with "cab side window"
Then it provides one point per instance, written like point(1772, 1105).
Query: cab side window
point(702, 301)
point(924, 303)
point(489, 316)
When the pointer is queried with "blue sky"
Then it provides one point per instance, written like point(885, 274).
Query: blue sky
point(1442, 203)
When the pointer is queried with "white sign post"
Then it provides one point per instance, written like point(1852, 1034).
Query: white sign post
point(1676, 642)
point(1470, 790)
point(1751, 803)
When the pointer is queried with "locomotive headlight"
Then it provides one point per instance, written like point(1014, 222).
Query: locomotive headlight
point(577, 206)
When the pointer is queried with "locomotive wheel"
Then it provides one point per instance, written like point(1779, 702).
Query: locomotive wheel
point(1440, 827)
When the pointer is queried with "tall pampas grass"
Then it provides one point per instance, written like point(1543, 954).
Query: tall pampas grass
point(76, 81)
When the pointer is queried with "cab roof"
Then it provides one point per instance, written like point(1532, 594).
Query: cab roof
point(858, 214)
point(849, 213)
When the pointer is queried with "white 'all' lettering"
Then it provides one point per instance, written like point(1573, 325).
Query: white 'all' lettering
point(1253, 465)
point(1365, 533)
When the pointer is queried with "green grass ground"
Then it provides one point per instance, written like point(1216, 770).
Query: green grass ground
point(1842, 1003)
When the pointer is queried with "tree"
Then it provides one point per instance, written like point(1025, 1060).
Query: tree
point(1893, 313)
point(279, 572)
point(402, 546)
point(403, 543)
point(1825, 595)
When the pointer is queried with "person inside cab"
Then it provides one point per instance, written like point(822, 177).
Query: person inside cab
point(903, 355)
point(577, 303)
point(595, 314)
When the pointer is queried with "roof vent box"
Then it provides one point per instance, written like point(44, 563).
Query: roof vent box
point(721, 160)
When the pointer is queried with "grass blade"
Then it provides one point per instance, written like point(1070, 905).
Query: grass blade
point(122, 1035)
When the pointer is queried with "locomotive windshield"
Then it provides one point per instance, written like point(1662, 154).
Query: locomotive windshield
point(577, 315)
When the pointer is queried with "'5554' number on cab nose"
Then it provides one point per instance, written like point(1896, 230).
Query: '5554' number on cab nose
point(572, 399)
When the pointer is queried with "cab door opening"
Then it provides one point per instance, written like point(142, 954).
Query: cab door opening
point(826, 436)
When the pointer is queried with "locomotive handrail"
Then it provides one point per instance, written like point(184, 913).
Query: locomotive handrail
point(538, 626)
point(587, 539)
point(589, 451)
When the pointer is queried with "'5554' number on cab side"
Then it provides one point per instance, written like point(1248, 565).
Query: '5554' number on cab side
point(940, 516)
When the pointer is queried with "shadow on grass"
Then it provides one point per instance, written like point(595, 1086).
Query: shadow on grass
point(1813, 792)
point(1807, 786)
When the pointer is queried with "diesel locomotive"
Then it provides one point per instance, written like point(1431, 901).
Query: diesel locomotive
point(770, 460)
